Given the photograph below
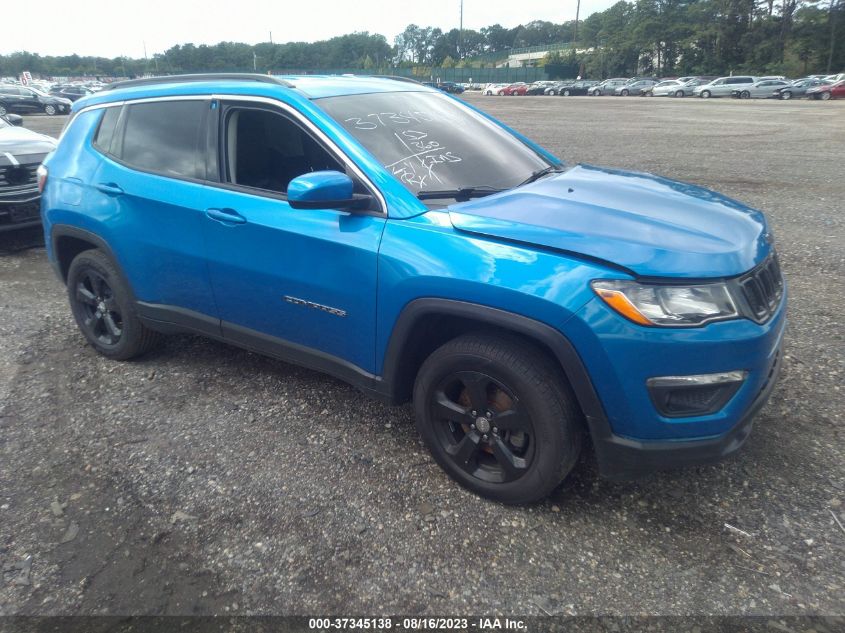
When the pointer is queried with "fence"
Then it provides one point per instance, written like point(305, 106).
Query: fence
point(426, 73)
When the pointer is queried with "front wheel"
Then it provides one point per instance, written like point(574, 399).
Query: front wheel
point(744, 95)
point(50, 110)
point(3, 110)
point(624, 93)
point(103, 308)
point(679, 94)
point(824, 96)
point(566, 93)
point(705, 94)
point(786, 95)
point(498, 417)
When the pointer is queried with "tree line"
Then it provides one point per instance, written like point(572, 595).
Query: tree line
point(659, 37)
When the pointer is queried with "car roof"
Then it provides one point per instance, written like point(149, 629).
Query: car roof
point(309, 86)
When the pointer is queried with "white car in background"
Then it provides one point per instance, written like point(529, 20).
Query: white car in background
point(493, 89)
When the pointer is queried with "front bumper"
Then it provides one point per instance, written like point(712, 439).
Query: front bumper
point(622, 458)
point(19, 214)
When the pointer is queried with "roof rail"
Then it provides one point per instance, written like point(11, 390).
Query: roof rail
point(397, 78)
point(167, 79)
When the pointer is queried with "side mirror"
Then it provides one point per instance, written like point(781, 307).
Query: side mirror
point(14, 119)
point(325, 190)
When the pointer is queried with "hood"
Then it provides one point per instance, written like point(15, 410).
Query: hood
point(651, 226)
point(18, 141)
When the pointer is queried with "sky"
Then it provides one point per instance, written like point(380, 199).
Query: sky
point(120, 28)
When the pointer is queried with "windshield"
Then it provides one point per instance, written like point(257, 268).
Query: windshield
point(40, 93)
point(430, 142)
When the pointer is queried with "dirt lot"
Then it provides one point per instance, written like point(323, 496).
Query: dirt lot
point(205, 479)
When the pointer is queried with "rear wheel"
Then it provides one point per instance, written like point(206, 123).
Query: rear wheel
point(786, 95)
point(624, 93)
point(744, 95)
point(705, 94)
point(566, 93)
point(497, 416)
point(102, 306)
point(3, 110)
point(679, 93)
point(824, 96)
point(50, 109)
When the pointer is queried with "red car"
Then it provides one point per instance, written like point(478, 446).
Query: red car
point(828, 91)
point(518, 88)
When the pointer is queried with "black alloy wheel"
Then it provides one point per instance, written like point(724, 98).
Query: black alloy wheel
point(482, 427)
point(498, 416)
point(103, 308)
point(101, 318)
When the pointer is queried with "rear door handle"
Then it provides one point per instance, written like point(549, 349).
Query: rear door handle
point(226, 216)
point(109, 188)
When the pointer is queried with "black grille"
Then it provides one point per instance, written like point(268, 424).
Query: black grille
point(762, 288)
point(17, 175)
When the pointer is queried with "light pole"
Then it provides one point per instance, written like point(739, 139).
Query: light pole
point(461, 33)
point(577, 12)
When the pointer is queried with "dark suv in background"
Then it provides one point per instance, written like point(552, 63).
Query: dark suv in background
point(26, 100)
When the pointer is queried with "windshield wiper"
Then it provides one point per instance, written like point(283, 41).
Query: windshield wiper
point(551, 169)
point(458, 194)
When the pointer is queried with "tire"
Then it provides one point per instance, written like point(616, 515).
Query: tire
point(597, 93)
point(519, 464)
point(104, 309)
point(566, 93)
point(744, 95)
point(679, 94)
point(705, 94)
point(824, 96)
point(3, 110)
point(624, 93)
point(50, 109)
point(786, 95)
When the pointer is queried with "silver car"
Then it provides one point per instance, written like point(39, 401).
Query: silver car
point(607, 87)
point(723, 86)
point(760, 90)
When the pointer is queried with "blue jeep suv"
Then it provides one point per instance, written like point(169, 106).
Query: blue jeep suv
point(397, 238)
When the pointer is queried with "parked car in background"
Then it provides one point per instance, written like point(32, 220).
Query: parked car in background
point(763, 89)
point(797, 88)
point(689, 85)
point(26, 100)
point(21, 152)
point(634, 88)
point(554, 89)
point(450, 87)
point(663, 88)
point(827, 91)
point(723, 86)
point(538, 87)
point(493, 89)
point(71, 92)
point(577, 88)
point(607, 87)
point(514, 89)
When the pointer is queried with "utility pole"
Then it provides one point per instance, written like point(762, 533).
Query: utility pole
point(577, 12)
point(254, 61)
point(832, 20)
point(271, 37)
point(461, 33)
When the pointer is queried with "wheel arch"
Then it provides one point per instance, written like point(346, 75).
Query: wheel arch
point(426, 324)
point(69, 241)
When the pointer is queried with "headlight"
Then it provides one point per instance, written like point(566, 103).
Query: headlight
point(668, 306)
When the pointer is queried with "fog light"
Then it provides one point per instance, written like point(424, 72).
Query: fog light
point(702, 394)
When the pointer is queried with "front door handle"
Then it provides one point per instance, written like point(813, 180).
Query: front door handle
point(109, 188)
point(226, 216)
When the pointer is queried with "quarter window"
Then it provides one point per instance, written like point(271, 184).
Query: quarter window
point(105, 133)
point(166, 137)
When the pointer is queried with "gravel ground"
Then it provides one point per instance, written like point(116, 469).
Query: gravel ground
point(205, 479)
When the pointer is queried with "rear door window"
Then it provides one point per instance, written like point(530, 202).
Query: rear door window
point(166, 137)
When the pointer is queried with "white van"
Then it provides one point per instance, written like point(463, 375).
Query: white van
point(723, 86)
